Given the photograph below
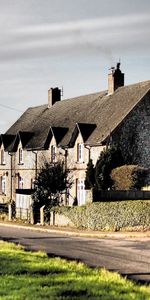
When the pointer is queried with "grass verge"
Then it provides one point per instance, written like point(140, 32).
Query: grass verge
point(34, 276)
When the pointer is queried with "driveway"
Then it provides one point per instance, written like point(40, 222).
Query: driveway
point(129, 257)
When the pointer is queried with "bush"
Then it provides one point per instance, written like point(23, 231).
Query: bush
point(90, 175)
point(129, 177)
point(109, 215)
point(109, 159)
point(3, 216)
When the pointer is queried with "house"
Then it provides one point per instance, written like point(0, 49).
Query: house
point(75, 130)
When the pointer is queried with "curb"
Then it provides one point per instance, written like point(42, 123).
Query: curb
point(64, 232)
point(116, 235)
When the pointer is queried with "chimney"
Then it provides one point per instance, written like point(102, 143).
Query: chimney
point(115, 79)
point(54, 95)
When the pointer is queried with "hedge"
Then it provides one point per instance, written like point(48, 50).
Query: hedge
point(129, 177)
point(109, 215)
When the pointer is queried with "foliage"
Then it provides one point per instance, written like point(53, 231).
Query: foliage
point(3, 216)
point(114, 215)
point(51, 182)
point(129, 177)
point(90, 175)
point(4, 211)
point(109, 159)
point(26, 275)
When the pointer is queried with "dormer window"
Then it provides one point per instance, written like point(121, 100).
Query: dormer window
point(80, 152)
point(53, 153)
point(20, 156)
point(2, 157)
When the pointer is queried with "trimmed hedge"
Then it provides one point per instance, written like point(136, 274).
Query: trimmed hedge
point(129, 177)
point(109, 215)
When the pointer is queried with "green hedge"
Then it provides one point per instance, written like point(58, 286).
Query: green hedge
point(129, 177)
point(109, 215)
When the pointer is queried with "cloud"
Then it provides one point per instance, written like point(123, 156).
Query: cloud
point(84, 25)
point(102, 34)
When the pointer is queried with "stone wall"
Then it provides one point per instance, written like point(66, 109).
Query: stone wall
point(60, 220)
point(133, 135)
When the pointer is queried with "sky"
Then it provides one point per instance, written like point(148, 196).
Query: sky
point(70, 44)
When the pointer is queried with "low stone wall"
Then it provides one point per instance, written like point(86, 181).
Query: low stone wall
point(60, 220)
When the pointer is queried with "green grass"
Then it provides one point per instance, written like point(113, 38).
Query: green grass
point(28, 276)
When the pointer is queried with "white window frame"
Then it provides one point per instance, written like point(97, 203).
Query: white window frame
point(20, 156)
point(3, 184)
point(20, 183)
point(32, 183)
point(80, 152)
point(53, 153)
point(2, 157)
point(81, 191)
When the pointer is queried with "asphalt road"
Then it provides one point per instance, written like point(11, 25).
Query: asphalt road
point(129, 257)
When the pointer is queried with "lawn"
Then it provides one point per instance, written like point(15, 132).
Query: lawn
point(29, 275)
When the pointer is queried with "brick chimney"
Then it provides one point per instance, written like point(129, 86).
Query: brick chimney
point(54, 95)
point(115, 79)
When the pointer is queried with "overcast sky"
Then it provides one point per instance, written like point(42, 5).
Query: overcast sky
point(69, 43)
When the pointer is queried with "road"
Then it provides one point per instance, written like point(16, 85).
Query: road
point(129, 257)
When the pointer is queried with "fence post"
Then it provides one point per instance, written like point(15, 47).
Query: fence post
point(50, 218)
point(9, 212)
point(31, 215)
point(53, 218)
point(42, 215)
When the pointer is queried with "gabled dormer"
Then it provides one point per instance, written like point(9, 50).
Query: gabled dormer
point(84, 129)
point(54, 137)
point(81, 133)
point(23, 138)
point(58, 133)
point(7, 141)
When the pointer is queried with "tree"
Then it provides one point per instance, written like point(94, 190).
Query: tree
point(90, 175)
point(51, 183)
point(109, 159)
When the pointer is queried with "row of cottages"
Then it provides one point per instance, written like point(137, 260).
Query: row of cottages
point(75, 130)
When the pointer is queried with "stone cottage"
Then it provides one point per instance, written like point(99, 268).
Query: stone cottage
point(75, 130)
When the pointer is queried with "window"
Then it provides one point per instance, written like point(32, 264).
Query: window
point(3, 184)
point(80, 192)
point(80, 152)
point(2, 157)
point(20, 156)
point(53, 153)
point(32, 184)
point(20, 183)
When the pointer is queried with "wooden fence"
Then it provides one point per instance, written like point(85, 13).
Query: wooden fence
point(120, 195)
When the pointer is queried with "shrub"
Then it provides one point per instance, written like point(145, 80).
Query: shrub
point(129, 177)
point(90, 175)
point(109, 215)
point(109, 159)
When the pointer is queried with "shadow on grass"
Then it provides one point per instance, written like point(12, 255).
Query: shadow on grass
point(33, 276)
point(130, 276)
point(21, 264)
